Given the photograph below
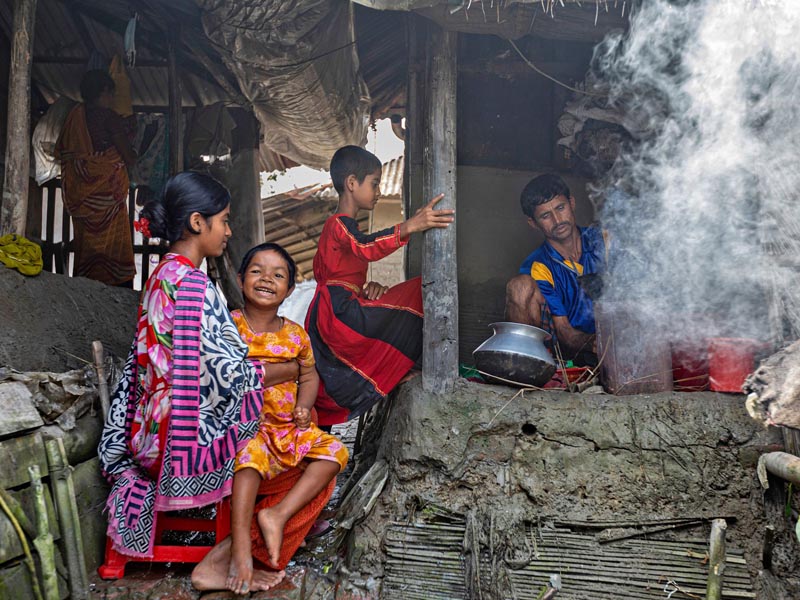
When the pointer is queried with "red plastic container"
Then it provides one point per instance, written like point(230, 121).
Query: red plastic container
point(578, 374)
point(730, 361)
point(690, 367)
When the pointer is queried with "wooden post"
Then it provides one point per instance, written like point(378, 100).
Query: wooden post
point(175, 108)
point(415, 137)
point(240, 176)
point(439, 266)
point(716, 559)
point(18, 138)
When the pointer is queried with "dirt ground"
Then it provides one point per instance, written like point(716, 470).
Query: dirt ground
point(48, 322)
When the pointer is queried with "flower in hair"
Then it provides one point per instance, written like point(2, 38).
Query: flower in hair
point(143, 226)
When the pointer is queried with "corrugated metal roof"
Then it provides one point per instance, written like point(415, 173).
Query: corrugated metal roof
point(392, 179)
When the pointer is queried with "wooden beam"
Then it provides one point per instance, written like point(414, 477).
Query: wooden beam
point(439, 265)
point(175, 118)
point(14, 212)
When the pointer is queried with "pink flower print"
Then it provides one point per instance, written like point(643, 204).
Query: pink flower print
point(296, 339)
point(290, 447)
point(171, 270)
point(304, 448)
point(160, 402)
point(336, 446)
point(275, 349)
point(158, 358)
point(244, 458)
point(281, 433)
point(159, 307)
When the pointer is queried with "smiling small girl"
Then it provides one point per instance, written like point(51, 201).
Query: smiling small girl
point(286, 436)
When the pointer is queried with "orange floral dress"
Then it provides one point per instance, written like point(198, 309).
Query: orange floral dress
point(279, 444)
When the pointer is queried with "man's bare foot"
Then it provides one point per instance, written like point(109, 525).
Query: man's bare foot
point(272, 530)
point(240, 571)
point(266, 580)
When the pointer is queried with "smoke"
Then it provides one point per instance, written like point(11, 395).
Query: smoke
point(704, 212)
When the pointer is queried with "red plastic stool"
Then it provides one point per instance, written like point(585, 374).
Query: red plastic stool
point(114, 565)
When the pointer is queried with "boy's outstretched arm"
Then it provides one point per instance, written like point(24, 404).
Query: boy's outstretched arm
point(307, 389)
point(428, 217)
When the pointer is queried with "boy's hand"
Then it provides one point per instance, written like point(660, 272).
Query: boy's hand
point(428, 218)
point(373, 290)
point(302, 417)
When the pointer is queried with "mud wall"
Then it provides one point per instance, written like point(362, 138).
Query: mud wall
point(48, 322)
point(552, 456)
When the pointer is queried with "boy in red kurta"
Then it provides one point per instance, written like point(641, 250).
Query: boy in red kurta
point(366, 337)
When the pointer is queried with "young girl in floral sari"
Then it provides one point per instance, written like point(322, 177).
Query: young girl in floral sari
point(189, 398)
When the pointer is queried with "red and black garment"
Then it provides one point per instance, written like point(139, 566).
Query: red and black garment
point(362, 348)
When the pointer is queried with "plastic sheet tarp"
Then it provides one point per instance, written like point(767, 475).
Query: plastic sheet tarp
point(44, 137)
point(296, 62)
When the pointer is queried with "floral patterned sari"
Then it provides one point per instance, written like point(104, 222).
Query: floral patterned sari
point(188, 400)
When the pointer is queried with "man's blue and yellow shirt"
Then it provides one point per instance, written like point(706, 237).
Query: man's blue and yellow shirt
point(557, 278)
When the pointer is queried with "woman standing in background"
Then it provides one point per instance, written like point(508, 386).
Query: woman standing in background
point(95, 154)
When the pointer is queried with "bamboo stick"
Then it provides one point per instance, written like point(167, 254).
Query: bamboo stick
point(769, 542)
point(44, 540)
point(64, 496)
point(716, 562)
point(648, 531)
point(636, 522)
point(102, 382)
point(17, 517)
point(16, 510)
point(784, 465)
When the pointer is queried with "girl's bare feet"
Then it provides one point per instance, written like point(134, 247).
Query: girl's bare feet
point(272, 529)
point(266, 580)
point(240, 571)
point(212, 572)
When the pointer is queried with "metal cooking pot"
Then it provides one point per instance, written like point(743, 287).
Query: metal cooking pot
point(516, 353)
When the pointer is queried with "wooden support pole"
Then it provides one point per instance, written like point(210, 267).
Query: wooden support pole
point(415, 137)
point(14, 209)
point(716, 559)
point(439, 265)
point(175, 108)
